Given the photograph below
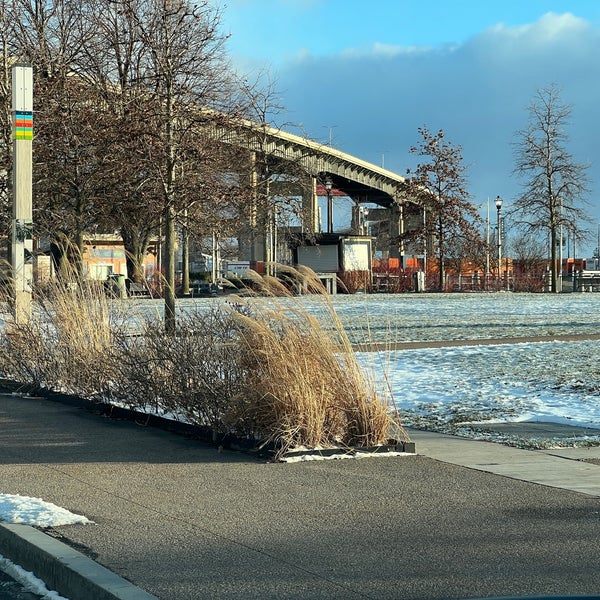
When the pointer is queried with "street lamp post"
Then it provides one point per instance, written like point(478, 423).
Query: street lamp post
point(498, 208)
point(328, 187)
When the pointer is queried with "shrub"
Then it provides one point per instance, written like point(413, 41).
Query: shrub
point(260, 366)
point(191, 375)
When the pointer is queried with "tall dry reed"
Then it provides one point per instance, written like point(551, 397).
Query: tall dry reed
point(66, 345)
point(305, 386)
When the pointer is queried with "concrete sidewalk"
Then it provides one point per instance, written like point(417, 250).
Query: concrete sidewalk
point(564, 468)
point(181, 520)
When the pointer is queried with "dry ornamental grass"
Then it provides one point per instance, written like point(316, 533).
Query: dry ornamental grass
point(260, 366)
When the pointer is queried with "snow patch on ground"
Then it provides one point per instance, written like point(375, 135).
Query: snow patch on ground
point(36, 512)
point(341, 456)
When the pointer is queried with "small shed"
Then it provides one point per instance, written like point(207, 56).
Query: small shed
point(330, 255)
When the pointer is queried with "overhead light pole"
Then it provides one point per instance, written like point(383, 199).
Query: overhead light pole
point(499, 208)
point(328, 188)
point(330, 127)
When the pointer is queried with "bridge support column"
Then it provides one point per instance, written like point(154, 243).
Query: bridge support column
point(359, 220)
point(251, 240)
point(315, 216)
point(310, 207)
point(396, 248)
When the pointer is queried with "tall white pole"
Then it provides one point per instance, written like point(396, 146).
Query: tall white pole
point(487, 245)
point(425, 242)
point(498, 207)
point(22, 230)
point(214, 271)
point(560, 259)
point(499, 246)
point(560, 251)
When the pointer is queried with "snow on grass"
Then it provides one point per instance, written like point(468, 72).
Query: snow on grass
point(446, 388)
point(429, 317)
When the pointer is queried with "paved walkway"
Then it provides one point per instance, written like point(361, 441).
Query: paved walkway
point(564, 468)
point(183, 521)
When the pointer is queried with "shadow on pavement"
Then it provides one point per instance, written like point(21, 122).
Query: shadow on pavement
point(37, 430)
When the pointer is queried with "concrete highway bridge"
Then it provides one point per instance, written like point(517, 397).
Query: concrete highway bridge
point(323, 168)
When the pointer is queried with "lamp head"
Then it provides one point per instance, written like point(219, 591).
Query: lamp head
point(328, 184)
point(498, 202)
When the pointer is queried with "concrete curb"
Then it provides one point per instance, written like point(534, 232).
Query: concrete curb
point(63, 569)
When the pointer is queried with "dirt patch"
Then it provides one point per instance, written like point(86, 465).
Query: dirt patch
point(383, 346)
point(539, 430)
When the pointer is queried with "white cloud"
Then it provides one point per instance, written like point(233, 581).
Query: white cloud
point(478, 92)
point(378, 49)
point(550, 26)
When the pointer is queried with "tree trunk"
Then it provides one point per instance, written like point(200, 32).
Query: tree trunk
point(59, 249)
point(170, 323)
point(553, 260)
point(135, 247)
point(441, 253)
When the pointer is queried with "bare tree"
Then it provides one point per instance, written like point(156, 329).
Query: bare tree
point(7, 42)
point(439, 185)
point(68, 173)
point(50, 36)
point(554, 186)
point(118, 66)
point(159, 64)
point(187, 72)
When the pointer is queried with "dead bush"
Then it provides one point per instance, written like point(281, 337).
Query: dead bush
point(192, 375)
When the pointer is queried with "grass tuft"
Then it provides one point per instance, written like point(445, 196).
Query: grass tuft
point(306, 386)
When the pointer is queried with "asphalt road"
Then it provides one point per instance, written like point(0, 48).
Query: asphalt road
point(184, 521)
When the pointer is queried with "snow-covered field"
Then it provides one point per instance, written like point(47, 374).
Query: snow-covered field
point(544, 381)
point(429, 317)
point(445, 388)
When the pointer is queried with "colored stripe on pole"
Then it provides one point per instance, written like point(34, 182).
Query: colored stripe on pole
point(23, 134)
point(23, 125)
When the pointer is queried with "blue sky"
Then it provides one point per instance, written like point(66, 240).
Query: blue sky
point(371, 73)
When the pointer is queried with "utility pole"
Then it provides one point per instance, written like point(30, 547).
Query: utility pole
point(22, 229)
point(597, 265)
point(185, 255)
